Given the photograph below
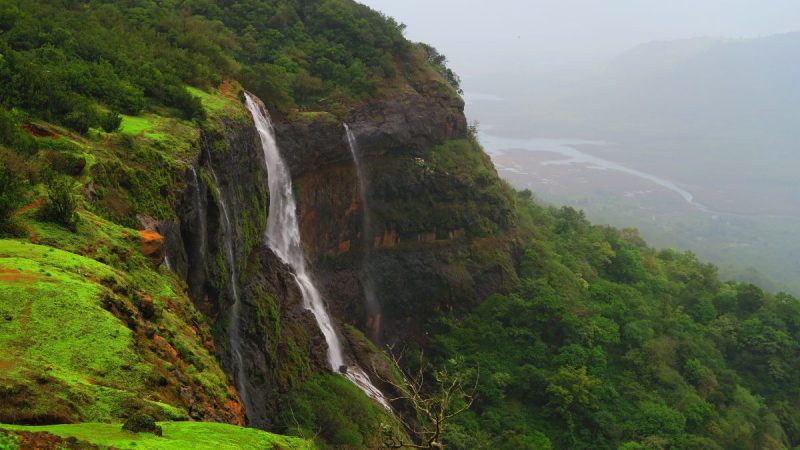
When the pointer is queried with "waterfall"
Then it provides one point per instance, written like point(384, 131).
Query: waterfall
point(198, 212)
point(283, 238)
point(234, 327)
point(367, 282)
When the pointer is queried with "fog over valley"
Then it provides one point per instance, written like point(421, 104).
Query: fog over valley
point(689, 138)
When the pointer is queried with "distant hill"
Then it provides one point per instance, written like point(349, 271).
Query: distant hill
point(718, 117)
point(696, 87)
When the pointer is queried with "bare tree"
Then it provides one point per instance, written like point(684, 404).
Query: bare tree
point(449, 395)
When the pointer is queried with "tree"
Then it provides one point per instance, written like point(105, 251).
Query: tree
point(11, 196)
point(110, 122)
point(571, 390)
point(61, 202)
point(451, 394)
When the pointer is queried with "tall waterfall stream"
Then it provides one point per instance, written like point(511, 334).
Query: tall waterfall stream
point(283, 238)
point(370, 298)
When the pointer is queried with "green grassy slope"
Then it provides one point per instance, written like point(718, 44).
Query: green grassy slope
point(91, 327)
point(177, 436)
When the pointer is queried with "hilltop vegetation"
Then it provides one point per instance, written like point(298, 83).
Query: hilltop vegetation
point(80, 63)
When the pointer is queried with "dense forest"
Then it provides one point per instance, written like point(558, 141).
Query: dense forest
point(599, 342)
point(608, 343)
point(76, 62)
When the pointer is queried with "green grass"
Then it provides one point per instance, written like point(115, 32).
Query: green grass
point(166, 130)
point(177, 435)
point(222, 102)
point(54, 326)
point(142, 126)
point(59, 329)
point(210, 102)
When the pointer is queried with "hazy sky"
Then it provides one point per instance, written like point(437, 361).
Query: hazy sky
point(487, 36)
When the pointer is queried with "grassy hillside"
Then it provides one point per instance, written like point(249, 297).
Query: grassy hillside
point(102, 104)
point(95, 326)
point(176, 435)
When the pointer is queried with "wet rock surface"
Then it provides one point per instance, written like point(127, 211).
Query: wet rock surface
point(423, 260)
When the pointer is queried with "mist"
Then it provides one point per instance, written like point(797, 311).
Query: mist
point(677, 118)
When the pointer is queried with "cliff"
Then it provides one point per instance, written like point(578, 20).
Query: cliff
point(435, 202)
point(437, 210)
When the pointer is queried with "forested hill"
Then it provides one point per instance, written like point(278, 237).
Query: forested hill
point(133, 206)
point(74, 62)
point(607, 343)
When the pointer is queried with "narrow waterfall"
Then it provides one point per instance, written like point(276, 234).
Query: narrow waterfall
point(283, 238)
point(370, 299)
point(234, 327)
point(198, 212)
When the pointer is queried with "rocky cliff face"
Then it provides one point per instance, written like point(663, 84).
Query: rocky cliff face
point(436, 203)
point(279, 338)
point(439, 233)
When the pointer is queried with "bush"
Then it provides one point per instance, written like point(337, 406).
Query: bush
point(11, 197)
point(8, 442)
point(66, 163)
point(110, 122)
point(12, 135)
point(142, 423)
point(61, 202)
point(81, 117)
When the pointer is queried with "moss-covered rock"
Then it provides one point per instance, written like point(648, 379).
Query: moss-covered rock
point(142, 423)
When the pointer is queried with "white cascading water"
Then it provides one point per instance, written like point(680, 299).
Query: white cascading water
point(370, 299)
point(234, 335)
point(283, 238)
point(198, 211)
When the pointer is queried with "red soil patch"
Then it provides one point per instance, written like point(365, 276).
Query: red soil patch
point(38, 131)
point(41, 440)
point(12, 275)
point(167, 349)
point(35, 204)
point(7, 364)
point(225, 86)
point(236, 407)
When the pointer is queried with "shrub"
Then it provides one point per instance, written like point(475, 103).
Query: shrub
point(110, 122)
point(142, 423)
point(11, 197)
point(66, 163)
point(81, 117)
point(8, 442)
point(12, 135)
point(61, 202)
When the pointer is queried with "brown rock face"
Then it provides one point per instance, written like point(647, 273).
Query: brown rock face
point(432, 224)
point(152, 245)
point(423, 216)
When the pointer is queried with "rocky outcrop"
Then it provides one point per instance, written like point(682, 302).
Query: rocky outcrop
point(279, 337)
point(404, 124)
point(428, 188)
point(429, 202)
